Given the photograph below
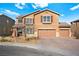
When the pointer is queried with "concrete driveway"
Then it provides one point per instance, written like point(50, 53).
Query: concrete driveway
point(67, 47)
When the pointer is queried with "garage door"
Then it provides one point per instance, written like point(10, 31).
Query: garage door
point(46, 33)
point(64, 32)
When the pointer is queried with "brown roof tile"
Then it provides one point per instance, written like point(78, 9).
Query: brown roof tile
point(31, 13)
point(75, 21)
point(47, 10)
point(39, 11)
point(64, 25)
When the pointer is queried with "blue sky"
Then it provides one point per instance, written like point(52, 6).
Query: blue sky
point(68, 11)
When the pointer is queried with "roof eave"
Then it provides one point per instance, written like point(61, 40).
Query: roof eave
point(40, 12)
point(50, 11)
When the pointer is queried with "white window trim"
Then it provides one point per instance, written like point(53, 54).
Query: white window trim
point(30, 21)
point(30, 31)
point(46, 19)
point(20, 20)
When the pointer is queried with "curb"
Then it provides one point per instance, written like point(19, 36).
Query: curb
point(20, 45)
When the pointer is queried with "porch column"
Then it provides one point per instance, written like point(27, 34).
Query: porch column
point(16, 32)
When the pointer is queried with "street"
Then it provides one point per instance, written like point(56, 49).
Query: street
point(43, 47)
point(23, 51)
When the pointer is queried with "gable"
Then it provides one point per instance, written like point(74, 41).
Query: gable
point(4, 18)
point(39, 12)
point(46, 11)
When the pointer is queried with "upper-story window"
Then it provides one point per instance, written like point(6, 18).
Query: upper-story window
point(29, 20)
point(46, 19)
point(19, 20)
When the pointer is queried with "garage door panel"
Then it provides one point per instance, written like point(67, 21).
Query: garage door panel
point(64, 33)
point(47, 33)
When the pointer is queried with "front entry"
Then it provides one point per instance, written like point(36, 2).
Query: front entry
point(19, 31)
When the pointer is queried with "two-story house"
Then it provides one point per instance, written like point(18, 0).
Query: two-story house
point(6, 24)
point(42, 24)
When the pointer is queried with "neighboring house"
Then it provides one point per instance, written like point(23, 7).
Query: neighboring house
point(6, 24)
point(42, 24)
point(75, 28)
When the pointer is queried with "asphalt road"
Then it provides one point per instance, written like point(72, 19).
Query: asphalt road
point(24, 51)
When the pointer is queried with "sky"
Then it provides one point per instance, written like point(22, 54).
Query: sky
point(68, 11)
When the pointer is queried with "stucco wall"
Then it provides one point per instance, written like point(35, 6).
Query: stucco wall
point(75, 29)
point(39, 25)
point(54, 24)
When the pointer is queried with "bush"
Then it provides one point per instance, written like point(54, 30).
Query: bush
point(4, 40)
point(77, 35)
point(30, 38)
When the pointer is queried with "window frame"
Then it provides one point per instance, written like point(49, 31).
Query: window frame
point(19, 20)
point(31, 30)
point(30, 21)
point(19, 29)
point(46, 22)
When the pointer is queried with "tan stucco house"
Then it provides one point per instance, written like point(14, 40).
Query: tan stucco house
point(75, 28)
point(41, 24)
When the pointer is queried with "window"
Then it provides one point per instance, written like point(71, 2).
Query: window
point(19, 29)
point(19, 20)
point(29, 21)
point(7, 21)
point(29, 30)
point(46, 19)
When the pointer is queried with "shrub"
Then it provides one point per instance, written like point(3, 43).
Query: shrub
point(4, 40)
point(77, 35)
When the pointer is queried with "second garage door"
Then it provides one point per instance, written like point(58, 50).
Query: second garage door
point(46, 33)
point(64, 33)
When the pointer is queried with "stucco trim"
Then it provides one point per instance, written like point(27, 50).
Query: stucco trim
point(64, 28)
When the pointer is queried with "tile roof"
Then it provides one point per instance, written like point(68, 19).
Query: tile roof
point(39, 11)
point(64, 25)
point(75, 21)
point(31, 13)
point(47, 10)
